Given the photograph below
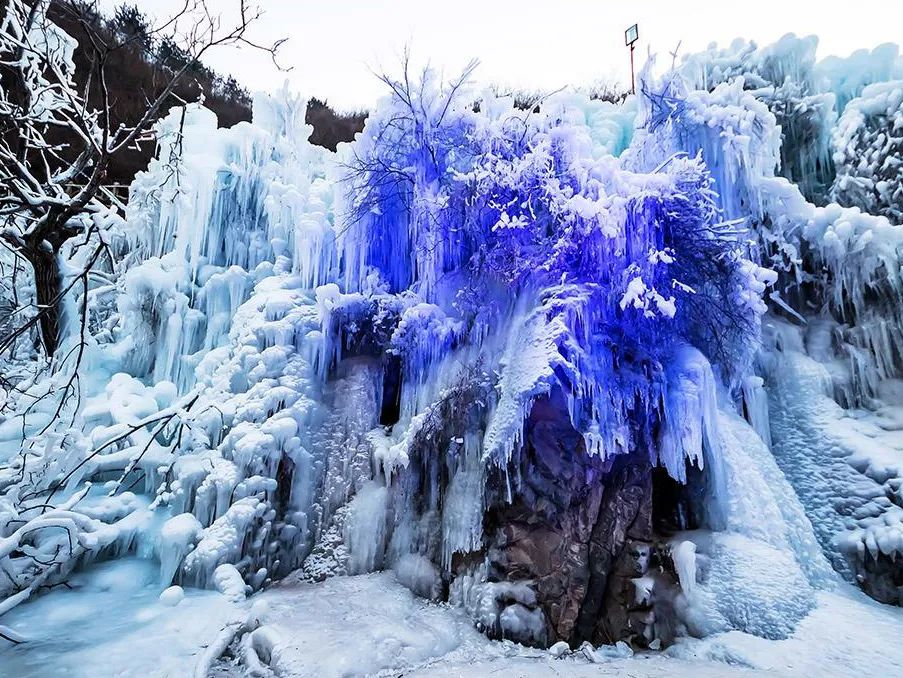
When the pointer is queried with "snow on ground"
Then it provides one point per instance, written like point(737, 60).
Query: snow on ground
point(541, 665)
point(112, 623)
point(351, 626)
point(848, 634)
point(371, 625)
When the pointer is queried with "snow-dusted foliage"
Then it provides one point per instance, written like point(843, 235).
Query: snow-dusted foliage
point(868, 151)
point(502, 210)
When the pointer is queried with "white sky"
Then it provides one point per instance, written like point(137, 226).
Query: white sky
point(541, 45)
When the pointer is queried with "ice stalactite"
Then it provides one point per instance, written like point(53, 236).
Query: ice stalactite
point(177, 537)
point(806, 96)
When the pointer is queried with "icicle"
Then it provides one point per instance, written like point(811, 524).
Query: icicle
point(684, 556)
point(366, 529)
point(177, 537)
point(755, 401)
point(462, 513)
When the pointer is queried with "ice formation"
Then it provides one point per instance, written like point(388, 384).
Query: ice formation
point(489, 348)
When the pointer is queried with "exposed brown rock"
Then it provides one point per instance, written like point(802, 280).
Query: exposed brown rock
point(578, 531)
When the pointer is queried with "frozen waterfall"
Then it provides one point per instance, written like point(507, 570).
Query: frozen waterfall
point(591, 372)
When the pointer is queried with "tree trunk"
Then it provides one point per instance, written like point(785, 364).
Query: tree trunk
point(48, 288)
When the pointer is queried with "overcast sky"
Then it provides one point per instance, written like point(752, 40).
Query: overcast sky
point(334, 45)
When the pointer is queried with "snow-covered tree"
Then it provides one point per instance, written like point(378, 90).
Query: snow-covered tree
point(56, 145)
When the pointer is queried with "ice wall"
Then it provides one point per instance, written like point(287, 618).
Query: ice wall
point(199, 398)
point(216, 211)
point(363, 353)
point(840, 274)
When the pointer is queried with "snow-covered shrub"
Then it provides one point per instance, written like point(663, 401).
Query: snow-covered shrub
point(497, 205)
point(868, 152)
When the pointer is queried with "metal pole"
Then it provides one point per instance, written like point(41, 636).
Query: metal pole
point(632, 79)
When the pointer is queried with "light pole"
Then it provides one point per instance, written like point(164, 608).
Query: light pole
point(631, 35)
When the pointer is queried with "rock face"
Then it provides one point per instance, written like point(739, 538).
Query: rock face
point(543, 534)
point(619, 551)
point(882, 578)
point(578, 531)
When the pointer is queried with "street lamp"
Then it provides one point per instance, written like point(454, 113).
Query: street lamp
point(631, 35)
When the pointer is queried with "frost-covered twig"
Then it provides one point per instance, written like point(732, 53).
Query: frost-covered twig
point(164, 417)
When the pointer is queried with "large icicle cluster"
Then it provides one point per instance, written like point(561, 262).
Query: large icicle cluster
point(191, 416)
point(842, 258)
point(805, 96)
point(868, 151)
point(500, 210)
point(243, 213)
point(534, 268)
point(218, 210)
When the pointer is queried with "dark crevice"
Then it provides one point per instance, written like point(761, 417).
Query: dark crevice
point(391, 402)
point(673, 506)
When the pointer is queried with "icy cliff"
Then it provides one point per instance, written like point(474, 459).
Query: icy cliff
point(591, 372)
